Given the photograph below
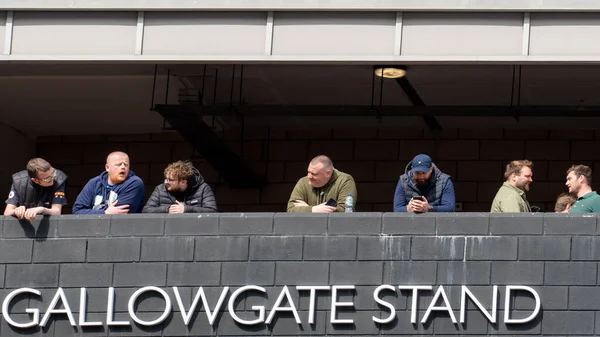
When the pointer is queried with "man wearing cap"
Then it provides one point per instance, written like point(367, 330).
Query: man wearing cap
point(424, 188)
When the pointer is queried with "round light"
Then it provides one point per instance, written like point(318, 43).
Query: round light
point(390, 72)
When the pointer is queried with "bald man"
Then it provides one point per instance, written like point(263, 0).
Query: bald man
point(115, 191)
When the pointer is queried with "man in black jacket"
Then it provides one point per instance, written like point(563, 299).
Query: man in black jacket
point(38, 190)
point(184, 191)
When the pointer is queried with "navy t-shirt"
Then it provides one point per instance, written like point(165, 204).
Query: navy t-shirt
point(43, 196)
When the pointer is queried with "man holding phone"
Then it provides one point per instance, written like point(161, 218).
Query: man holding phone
point(323, 190)
point(424, 188)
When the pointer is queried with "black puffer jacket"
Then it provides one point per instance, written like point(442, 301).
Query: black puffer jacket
point(198, 198)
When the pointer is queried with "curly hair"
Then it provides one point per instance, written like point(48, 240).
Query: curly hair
point(516, 166)
point(182, 170)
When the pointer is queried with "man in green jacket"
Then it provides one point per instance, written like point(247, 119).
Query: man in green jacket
point(511, 196)
point(322, 183)
point(579, 179)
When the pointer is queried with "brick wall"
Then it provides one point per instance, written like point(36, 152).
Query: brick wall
point(555, 254)
point(375, 157)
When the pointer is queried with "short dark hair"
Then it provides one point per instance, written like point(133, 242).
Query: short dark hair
point(183, 170)
point(564, 200)
point(327, 163)
point(516, 166)
point(36, 165)
point(582, 170)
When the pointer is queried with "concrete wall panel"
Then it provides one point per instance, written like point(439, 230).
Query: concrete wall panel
point(204, 33)
point(464, 34)
point(328, 33)
point(74, 33)
point(565, 34)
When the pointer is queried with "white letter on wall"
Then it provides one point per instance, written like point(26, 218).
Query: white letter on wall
point(83, 309)
point(133, 298)
point(335, 304)
point(415, 296)
point(464, 292)
point(261, 309)
point(110, 309)
point(210, 315)
point(445, 307)
point(507, 319)
point(285, 293)
point(6, 314)
point(385, 304)
point(60, 295)
point(312, 300)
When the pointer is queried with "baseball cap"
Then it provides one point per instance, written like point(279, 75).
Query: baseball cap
point(421, 163)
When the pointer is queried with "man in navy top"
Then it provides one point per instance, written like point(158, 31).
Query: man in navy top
point(424, 188)
point(116, 191)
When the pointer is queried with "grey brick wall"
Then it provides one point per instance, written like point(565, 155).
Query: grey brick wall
point(554, 254)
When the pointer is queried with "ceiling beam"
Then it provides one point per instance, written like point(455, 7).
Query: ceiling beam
point(385, 110)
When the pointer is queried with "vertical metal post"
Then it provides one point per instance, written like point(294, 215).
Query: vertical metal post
point(241, 83)
point(167, 96)
point(232, 86)
point(154, 86)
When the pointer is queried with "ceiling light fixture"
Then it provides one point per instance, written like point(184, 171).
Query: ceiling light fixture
point(390, 71)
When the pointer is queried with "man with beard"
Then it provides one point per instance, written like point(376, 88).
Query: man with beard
point(323, 190)
point(184, 191)
point(511, 197)
point(115, 191)
point(579, 179)
point(424, 188)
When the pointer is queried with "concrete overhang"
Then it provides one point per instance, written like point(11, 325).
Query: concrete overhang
point(306, 5)
point(366, 37)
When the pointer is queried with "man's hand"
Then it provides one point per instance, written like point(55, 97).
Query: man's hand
point(32, 212)
point(418, 206)
point(20, 212)
point(177, 207)
point(114, 209)
point(299, 203)
point(322, 208)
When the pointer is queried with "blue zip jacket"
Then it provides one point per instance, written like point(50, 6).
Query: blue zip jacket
point(97, 195)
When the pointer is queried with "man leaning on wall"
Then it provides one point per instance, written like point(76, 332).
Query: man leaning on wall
point(40, 189)
point(512, 195)
point(184, 191)
point(424, 188)
point(323, 190)
point(115, 191)
point(579, 180)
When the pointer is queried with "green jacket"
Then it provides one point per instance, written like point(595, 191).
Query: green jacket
point(510, 199)
point(338, 187)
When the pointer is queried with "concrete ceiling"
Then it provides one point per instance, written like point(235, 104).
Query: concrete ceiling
point(47, 99)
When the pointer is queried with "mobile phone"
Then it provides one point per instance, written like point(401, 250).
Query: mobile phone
point(331, 202)
point(420, 198)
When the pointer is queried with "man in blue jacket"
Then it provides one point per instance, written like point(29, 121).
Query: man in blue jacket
point(424, 188)
point(116, 191)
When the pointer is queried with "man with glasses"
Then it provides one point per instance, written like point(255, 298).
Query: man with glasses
point(184, 191)
point(40, 189)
